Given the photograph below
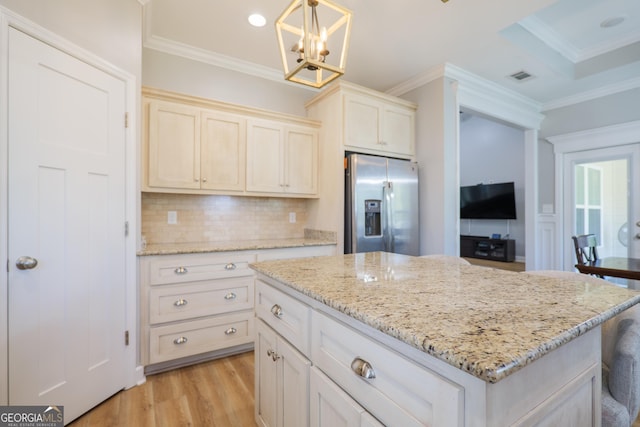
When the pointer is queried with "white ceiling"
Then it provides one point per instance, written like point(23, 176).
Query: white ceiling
point(561, 43)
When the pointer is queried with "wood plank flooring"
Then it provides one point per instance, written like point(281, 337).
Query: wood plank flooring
point(215, 393)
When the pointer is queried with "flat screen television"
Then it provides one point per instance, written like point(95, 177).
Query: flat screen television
point(488, 201)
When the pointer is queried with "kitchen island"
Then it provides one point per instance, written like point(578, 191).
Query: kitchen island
point(415, 341)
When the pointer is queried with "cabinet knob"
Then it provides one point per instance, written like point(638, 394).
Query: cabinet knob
point(180, 302)
point(181, 340)
point(204, 179)
point(230, 331)
point(196, 180)
point(363, 368)
point(277, 311)
point(181, 270)
point(230, 266)
point(230, 296)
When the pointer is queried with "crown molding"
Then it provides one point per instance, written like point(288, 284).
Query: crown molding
point(593, 94)
point(607, 136)
point(551, 38)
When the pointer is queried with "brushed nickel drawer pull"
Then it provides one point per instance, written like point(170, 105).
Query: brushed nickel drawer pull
point(277, 311)
point(363, 368)
point(180, 302)
point(181, 340)
point(230, 266)
point(181, 270)
point(230, 331)
point(230, 296)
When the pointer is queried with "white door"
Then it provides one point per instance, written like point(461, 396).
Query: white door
point(602, 196)
point(67, 211)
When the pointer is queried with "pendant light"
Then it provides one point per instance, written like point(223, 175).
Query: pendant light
point(313, 37)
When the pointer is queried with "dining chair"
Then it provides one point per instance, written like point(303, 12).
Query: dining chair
point(585, 246)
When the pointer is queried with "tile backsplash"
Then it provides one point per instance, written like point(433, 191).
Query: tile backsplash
point(220, 218)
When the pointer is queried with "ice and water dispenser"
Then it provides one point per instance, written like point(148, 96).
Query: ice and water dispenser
point(372, 225)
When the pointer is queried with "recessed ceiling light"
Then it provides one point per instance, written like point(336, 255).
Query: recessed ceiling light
point(257, 20)
point(612, 22)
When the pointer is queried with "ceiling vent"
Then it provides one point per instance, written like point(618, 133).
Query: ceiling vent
point(521, 76)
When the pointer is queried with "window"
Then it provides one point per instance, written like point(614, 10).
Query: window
point(588, 201)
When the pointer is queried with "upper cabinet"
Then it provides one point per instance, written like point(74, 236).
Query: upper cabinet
point(378, 125)
point(198, 146)
point(281, 158)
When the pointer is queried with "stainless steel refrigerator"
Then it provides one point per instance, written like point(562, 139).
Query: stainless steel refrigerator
point(381, 205)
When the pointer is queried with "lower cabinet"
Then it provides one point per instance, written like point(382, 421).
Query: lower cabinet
point(330, 406)
point(281, 381)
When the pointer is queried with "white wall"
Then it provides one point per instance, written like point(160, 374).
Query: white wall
point(111, 29)
point(491, 152)
point(179, 74)
point(437, 156)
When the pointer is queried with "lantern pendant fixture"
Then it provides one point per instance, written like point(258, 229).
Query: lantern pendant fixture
point(312, 63)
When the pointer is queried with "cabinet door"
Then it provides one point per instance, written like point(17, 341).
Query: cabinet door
point(361, 122)
point(330, 406)
point(222, 151)
point(173, 145)
point(294, 386)
point(266, 399)
point(398, 130)
point(301, 161)
point(265, 157)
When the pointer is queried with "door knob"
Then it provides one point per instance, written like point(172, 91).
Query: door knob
point(26, 263)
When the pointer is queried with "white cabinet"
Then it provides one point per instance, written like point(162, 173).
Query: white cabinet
point(377, 125)
point(194, 304)
point(174, 145)
point(193, 148)
point(200, 306)
point(281, 158)
point(222, 151)
point(330, 406)
point(198, 146)
point(282, 385)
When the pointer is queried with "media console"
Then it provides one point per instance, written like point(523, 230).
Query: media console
point(486, 248)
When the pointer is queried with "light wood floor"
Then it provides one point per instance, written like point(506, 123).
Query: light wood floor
point(215, 393)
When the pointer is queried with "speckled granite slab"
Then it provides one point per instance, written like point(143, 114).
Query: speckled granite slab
point(226, 246)
point(487, 322)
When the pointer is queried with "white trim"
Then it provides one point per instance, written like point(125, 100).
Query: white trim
point(10, 19)
point(589, 95)
point(481, 95)
point(590, 139)
point(607, 136)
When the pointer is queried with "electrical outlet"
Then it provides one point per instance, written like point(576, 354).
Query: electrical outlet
point(172, 217)
point(292, 217)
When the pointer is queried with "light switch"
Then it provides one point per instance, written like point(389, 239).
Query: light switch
point(292, 217)
point(172, 217)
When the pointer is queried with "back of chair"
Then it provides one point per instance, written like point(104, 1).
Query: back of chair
point(585, 246)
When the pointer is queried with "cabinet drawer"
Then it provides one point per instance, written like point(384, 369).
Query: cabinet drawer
point(287, 316)
point(402, 393)
point(180, 302)
point(199, 336)
point(191, 268)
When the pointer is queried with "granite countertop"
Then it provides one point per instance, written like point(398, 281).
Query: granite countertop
point(226, 246)
point(484, 321)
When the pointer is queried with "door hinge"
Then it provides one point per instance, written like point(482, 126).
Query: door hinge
point(126, 337)
point(126, 120)
point(126, 228)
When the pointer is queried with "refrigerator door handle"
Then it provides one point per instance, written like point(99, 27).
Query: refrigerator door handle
point(387, 192)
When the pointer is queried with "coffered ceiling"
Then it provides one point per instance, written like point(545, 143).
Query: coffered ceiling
point(572, 49)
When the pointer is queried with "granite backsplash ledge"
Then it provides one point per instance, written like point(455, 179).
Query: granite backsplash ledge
point(222, 218)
